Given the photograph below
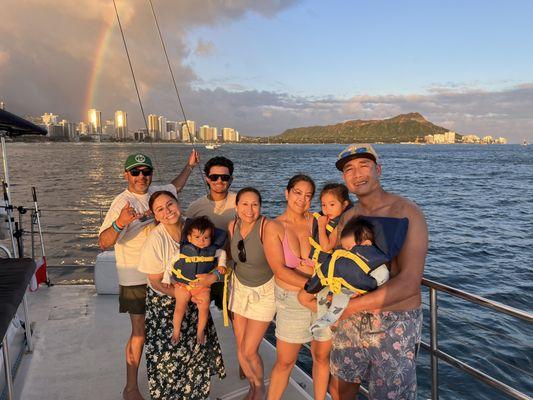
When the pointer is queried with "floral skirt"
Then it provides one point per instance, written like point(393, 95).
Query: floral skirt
point(181, 371)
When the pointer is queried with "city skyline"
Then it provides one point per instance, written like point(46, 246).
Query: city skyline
point(158, 128)
point(268, 66)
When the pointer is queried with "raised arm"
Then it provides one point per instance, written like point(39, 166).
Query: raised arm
point(405, 285)
point(180, 180)
point(274, 255)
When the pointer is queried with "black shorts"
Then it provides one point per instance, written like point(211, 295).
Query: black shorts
point(132, 299)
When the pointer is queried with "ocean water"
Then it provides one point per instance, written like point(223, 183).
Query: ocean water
point(478, 201)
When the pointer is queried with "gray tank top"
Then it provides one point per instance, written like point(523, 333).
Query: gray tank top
point(255, 271)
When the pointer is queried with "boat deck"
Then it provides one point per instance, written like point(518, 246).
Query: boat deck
point(79, 340)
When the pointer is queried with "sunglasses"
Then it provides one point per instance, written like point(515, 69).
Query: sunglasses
point(137, 172)
point(215, 177)
point(242, 251)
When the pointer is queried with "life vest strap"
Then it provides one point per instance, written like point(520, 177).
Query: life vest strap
point(196, 259)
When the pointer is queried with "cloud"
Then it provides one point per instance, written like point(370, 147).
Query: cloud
point(204, 48)
point(49, 53)
point(53, 50)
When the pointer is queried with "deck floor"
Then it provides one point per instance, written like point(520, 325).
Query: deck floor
point(79, 340)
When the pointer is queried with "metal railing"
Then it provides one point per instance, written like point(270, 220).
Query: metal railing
point(436, 354)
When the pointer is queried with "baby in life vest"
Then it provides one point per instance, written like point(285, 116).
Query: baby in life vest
point(358, 267)
point(197, 255)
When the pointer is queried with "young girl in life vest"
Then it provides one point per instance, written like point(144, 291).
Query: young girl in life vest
point(334, 199)
point(196, 256)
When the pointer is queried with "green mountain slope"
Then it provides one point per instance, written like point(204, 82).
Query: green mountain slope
point(402, 128)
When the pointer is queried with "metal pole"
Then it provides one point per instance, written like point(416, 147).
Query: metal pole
point(7, 196)
point(433, 344)
point(27, 323)
point(7, 369)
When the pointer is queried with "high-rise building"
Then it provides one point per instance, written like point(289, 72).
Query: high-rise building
point(203, 133)
point(49, 118)
point(121, 125)
point(95, 121)
point(83, 129)
point(69, 130)
point(162, 121)
point(188, 131)
point(153, 127)
point(55, 131)
point(449, 137)
point(229, 135)
point(213, 134)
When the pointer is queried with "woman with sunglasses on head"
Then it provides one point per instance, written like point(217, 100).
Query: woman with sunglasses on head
point(252, 287)
point(182, 370)
point(287, 248)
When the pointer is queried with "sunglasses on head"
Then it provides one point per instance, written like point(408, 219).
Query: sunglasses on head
point(242, 251)
point(215, 177)
point(136, 172)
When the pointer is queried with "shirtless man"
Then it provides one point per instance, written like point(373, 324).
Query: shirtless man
point(377, 338)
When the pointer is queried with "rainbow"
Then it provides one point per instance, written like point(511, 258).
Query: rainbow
point(96, 68)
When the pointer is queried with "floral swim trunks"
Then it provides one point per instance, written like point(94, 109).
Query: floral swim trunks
point(379, 348)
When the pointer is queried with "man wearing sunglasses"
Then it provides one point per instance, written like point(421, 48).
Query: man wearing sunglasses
point(126, 226)
point(218, 205)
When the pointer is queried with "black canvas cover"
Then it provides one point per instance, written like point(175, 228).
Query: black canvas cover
point(15, 275)
point(15, 125)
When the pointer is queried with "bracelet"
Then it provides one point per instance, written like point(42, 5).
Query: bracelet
point(218, 275)
point(116, 228)
point(189, 167)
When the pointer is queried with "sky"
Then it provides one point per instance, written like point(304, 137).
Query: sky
point(266, 66)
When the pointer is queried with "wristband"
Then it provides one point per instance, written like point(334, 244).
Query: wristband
point(218, 275)
point(116, 228)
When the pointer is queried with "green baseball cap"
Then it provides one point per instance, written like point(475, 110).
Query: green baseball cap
point(360, 150)
point(138, 160)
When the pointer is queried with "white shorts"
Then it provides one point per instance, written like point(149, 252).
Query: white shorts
point(257, 303)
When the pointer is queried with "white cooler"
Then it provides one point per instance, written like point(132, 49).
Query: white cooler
point(105, 273)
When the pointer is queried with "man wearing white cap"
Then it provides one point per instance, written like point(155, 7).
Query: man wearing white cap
point(126, 226)
point(377, 338)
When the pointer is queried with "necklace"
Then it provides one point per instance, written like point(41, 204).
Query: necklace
point(219, 208)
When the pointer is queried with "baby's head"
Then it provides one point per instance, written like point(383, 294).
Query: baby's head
point(334, 198)
point(200, 231)
point(357, 232)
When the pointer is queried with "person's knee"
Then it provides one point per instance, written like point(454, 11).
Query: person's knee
point(321, 357)
point(249, 353)
point(285, 364)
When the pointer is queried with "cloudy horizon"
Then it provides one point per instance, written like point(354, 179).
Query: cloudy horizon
point(263, 67)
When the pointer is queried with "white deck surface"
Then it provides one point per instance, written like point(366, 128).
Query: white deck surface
point(79, 340)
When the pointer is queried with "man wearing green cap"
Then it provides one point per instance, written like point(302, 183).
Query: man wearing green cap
point(126, 226)
point(377, 338)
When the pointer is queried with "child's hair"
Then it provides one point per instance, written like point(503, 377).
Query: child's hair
point(201, 224)
point(360, 229)
point(339, 190)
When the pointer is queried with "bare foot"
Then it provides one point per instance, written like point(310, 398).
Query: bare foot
point(175, 336)
point(132, 394)
point(200, 337)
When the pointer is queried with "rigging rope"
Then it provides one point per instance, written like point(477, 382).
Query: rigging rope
point(131, 67)
point(191, 137)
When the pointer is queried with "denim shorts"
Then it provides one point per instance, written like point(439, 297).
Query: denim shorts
point(379, 348)
point(294, 320)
